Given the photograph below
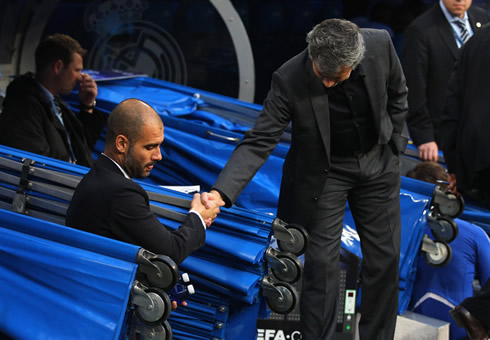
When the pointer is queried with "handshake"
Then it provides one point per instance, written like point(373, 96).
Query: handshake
point(207, 205)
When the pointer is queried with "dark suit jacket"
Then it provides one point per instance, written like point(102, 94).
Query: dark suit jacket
point(29, 123)
point(466, 120)
point(108, 204)
point(298, 96)
point(428, 57)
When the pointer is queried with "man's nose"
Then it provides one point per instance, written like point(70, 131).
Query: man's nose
point(329, 83)
point(157, 155)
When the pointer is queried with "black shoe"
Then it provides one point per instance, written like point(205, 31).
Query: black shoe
point(473, 326)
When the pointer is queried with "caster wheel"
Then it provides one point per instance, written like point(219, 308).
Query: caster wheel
point(168, 273)
point(292, 271)
point(442, 257)
point(446, 229)
point(162, 306)
point(283, 304)
point(300, 240)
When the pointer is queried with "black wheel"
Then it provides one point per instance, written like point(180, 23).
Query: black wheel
point(168, 275)
point(455, 208)
point(140, 330)
point(168, 330)
point(300, 240)
point(446, 229)
point(293, 270)
point(283, 304)
point(442, 257)
point(450, 205)
point(162, 306)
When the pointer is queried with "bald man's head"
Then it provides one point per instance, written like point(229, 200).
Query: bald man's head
point(128, 119)
point(134, 136)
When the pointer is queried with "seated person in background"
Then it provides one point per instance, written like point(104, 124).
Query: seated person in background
point(34, 117)
point(108, 202)
point(428, 171)
point(437, 290)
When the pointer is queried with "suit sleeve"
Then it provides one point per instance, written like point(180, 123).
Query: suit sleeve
point(450, 120)
point(415, 61)
point(133, 220)
point(258, 142)
point(397, 105)
point(93, 124)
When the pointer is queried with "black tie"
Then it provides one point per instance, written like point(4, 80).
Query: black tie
point(58, 107)
point(464, 32)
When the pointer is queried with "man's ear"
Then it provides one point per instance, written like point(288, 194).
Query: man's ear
point(58, 66)
point(122, 144)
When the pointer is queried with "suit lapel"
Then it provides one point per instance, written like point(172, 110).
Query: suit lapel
point(475, 24)
point(445, 31)
point(319, 104)
point(372, 84)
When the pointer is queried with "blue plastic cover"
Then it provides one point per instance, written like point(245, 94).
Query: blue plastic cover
point(235, 246)
point(50, 289)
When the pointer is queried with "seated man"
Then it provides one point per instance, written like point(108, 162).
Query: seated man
point(34, 117)
point(437, 290)
point(108, 202)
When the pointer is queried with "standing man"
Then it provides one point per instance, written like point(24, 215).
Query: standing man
point(347, 100)
point(466, 120)
point(430, 49)
point(108, 202)
point(465, 130)
point(37, 120)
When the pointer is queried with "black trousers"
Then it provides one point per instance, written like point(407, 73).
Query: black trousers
point(370, 183)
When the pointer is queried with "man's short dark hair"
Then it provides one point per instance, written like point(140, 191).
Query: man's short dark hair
point(121, 121)
point(128, 119)
point(57, 47)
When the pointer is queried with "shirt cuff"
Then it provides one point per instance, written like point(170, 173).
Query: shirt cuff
point(200, 217)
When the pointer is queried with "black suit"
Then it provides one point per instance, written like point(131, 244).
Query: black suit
point(465, 128)
point(428, 57)
point(29, 123)
point(466, 119)
point(108, 204)
point(309, 172)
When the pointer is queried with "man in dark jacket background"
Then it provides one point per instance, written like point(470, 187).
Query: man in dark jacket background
point(465, 123)
point(37, 120)
point(430, 49)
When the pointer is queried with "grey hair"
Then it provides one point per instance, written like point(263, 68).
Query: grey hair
point(334, 44)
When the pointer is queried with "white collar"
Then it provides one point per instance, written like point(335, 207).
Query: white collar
point(117, 164)
point(449, 16)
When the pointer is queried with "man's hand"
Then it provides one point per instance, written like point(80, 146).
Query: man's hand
point(429, 151)
point(212, 198)
point(87, 90)
point(208, 210)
